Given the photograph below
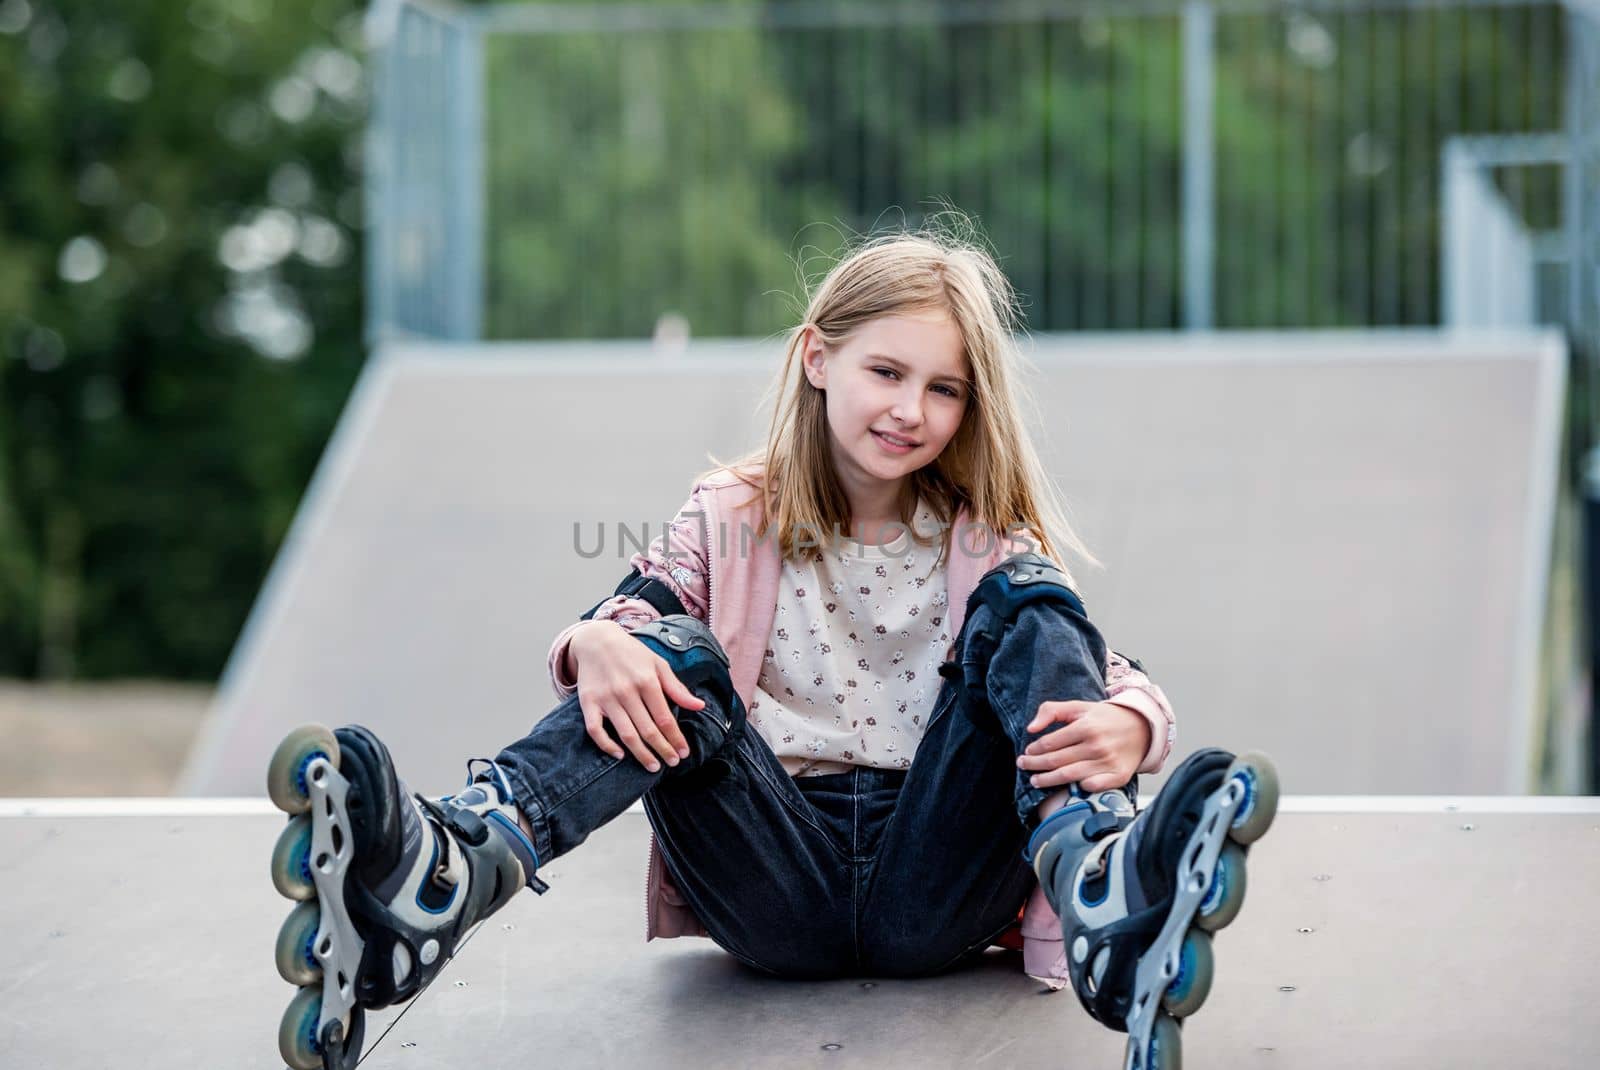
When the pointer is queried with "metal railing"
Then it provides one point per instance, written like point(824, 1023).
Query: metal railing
point(582, 171)
point(1582, 192)
point(425, 182)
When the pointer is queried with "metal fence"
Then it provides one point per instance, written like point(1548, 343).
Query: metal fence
point(425, 178)
point(582, 171)
point(1582, 195)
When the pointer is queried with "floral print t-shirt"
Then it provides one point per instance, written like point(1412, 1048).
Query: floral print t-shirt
point(851, 668)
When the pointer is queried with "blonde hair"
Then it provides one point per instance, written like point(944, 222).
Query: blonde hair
point(990, 466)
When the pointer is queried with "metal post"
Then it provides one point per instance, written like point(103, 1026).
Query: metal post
point(1581, 328)
point(465, 183)
point(381, 22)
point(1199, 164)
point(1456, 229)
point(1574, 208)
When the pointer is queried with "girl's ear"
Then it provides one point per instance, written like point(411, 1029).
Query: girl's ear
point(813, 359)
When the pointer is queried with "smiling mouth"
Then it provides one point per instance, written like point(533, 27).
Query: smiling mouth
point(896, 441)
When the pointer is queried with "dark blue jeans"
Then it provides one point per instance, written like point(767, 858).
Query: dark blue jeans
point(874, 872)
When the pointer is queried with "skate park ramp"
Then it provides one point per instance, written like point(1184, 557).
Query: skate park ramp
point(1393, 931)
point(1330, 546)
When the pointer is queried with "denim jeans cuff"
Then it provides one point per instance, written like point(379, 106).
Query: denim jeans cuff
point(528, 802)
point(1028, 800)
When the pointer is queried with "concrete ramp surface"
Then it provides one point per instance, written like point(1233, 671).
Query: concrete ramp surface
point(1332, 547)
point(1395, 933)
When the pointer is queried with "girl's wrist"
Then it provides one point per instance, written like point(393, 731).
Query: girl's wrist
point(583, 639)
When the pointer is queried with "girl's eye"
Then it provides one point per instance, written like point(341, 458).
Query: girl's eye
point(948, 391)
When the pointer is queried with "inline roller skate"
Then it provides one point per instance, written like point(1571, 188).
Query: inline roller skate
point(1139, 896)
point(388, 883)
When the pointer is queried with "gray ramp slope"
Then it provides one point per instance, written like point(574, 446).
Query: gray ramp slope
point(1330, 546)
point(147, 941)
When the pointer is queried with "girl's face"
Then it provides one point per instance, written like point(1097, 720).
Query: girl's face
point(896, 392)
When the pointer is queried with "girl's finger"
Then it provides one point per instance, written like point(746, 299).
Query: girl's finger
point(1102, 782)
point(650, 734)
point(1055, 759)
point(1052, 712)
point(1073, 733)
point(1067, 774)
point(656, 701)
point(622, 723)
point(1060, 738)
point(594, 724)
point(675, 691)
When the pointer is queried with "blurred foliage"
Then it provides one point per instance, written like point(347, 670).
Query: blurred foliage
point(180, 228)
point(693, 172)
point(179, 314)
point(631, 176)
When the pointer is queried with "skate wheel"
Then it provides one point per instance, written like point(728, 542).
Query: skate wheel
point(286, 772)
point(297, 1033)
point(296, 937)
point(1226, 894)
point(1197, 965)
point(291, 860)
point(1166, 1046)
point(1260, 804)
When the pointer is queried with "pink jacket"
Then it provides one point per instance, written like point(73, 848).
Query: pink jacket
point(712, 561)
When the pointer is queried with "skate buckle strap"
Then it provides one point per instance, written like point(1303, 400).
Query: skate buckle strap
point(648, 589)
point(1095, 863)
point(474, 827)
point(468, 825)
point(1047, 828)
point(446, 873)
point(1105, 819)
point(1101, 823)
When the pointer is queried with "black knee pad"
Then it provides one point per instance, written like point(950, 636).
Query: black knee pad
point(1005, 590)
point(698, 660)
point(679, 633)
point(1022, 580)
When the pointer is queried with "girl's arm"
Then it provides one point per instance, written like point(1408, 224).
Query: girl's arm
point(1100, 747)
point(1128, 686)
point(678, 558)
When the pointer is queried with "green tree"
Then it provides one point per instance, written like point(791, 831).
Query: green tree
point(179, 317)
point(1065, 139)
point(635, 175)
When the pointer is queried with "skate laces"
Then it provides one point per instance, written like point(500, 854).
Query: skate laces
point(487, 791)
point(482, 774)
point(466, 813)
point(482, 770)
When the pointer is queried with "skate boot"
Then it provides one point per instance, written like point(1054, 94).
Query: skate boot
point(389, 883)
point(1139, 897)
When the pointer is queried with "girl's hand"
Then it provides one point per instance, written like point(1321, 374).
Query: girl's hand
point(625, 682)
point(1100, 747)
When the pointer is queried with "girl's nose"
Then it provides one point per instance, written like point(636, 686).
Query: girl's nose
point(907, 412)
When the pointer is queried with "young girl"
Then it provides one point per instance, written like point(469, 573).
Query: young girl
point(859, 696)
